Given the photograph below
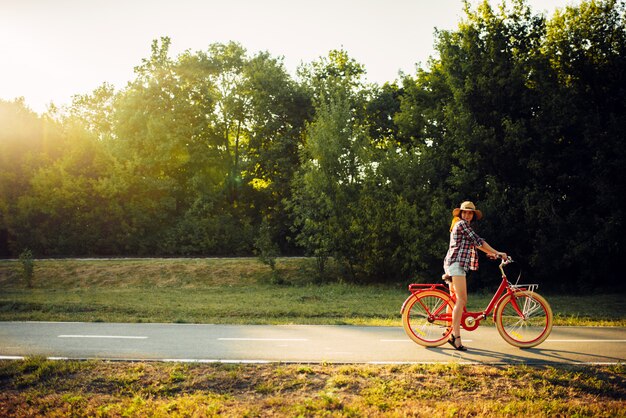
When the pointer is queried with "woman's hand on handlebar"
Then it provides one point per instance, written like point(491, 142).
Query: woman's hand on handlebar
point(498, 255)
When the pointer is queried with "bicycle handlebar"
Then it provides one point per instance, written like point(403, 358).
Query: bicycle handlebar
point(506, 261)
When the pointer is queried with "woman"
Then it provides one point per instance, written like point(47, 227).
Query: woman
point(462, 257)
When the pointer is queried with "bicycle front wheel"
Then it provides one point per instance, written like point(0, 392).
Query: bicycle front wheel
point(427, 316)
point(524, 319)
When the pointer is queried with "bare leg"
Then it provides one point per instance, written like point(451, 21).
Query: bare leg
point(459, 284)
point(448, 308)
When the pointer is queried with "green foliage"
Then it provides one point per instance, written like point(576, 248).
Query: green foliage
point(500, 119)
point(266, 248)
point(28, 267)
point(327, 186)
point(521, 113)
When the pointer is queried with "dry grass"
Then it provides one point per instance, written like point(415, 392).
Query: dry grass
point(39, 387)
point(164, 272)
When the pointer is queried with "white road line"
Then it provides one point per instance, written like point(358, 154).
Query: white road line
point(262, 339)
point(125, 337)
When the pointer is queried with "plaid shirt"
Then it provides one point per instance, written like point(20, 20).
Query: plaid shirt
point(463, 241)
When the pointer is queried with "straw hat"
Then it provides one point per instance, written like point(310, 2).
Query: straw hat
point(469, 206)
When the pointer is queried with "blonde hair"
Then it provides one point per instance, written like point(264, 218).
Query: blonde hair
point(454, 221)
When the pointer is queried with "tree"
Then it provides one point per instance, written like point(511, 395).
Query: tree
point(490, 67)
point(63, 213)
point(28, 143)
point(279, 111)
point(584, 111)
point(519, 115)
point(327, 184)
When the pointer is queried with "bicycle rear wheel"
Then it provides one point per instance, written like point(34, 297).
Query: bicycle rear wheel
point(524, 319)
point(426, 319)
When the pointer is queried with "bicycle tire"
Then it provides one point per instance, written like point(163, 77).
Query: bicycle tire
point(425, 331)
point(528, 330)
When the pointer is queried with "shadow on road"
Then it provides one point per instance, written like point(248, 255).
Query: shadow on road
point(533, 356)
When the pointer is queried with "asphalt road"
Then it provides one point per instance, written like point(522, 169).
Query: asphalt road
point(296, 344)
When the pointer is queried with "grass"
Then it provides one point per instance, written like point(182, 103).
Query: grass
point(245, 291)
point(230, 290)
point(40, 387)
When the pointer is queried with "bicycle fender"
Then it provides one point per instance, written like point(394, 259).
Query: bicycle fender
point(495, 307)
point(405, 303)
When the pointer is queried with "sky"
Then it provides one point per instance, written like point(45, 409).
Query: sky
point(51, 50)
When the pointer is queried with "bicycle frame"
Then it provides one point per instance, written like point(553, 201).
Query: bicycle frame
point(471, 320)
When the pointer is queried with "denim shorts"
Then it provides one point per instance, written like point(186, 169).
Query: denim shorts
point(455, 269)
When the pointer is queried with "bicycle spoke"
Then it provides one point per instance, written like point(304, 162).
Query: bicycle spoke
point(431, 305)
point(423, 320)
point(426, 319)
point(524, 320)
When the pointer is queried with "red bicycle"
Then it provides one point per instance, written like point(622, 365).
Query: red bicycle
point(523, 317)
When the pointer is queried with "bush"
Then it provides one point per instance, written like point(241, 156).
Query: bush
point(28, 267)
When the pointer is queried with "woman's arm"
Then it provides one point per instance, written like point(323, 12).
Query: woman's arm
point(486, 248)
